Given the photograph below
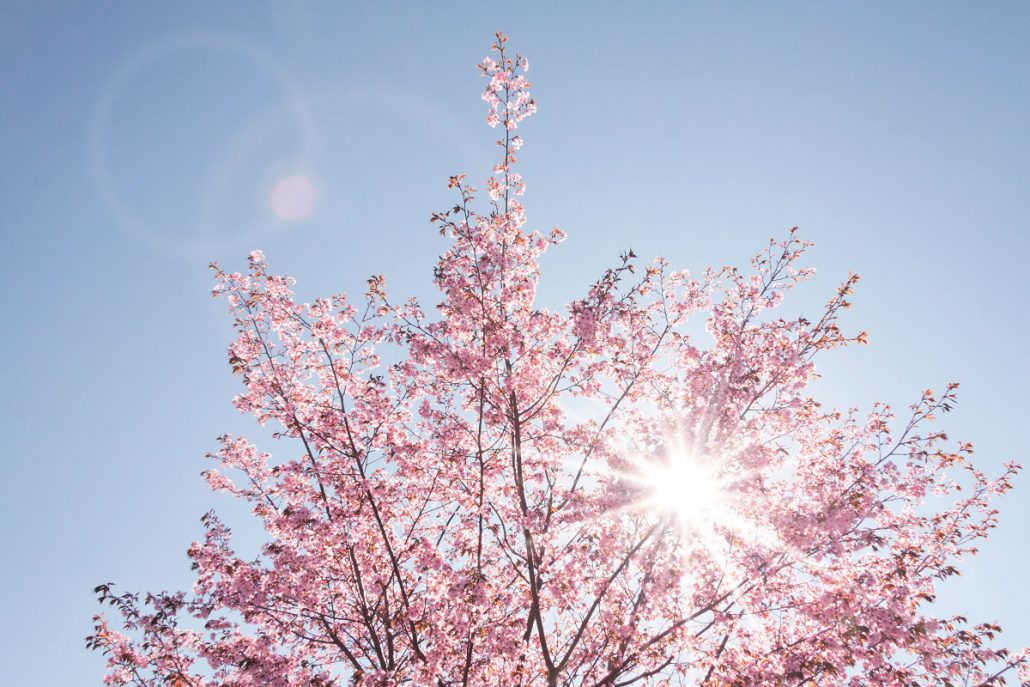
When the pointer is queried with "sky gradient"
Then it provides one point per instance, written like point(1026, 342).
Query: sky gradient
point(142, 141)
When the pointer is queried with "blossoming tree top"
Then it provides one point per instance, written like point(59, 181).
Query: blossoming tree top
point(578, 498)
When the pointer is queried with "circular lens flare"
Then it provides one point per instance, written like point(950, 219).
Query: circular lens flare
point(293, 198)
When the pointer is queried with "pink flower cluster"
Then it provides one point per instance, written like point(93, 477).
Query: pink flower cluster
point(462, 498)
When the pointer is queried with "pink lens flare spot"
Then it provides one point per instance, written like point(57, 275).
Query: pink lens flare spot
point(293, 198)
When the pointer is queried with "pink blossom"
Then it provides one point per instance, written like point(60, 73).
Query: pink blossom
point(496, 494)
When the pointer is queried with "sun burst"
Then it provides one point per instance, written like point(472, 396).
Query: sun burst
point(686, 487)
point(698, 490)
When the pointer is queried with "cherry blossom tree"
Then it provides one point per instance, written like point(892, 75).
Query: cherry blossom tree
point(497, 494)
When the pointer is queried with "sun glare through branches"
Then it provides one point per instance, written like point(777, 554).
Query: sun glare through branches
point(697, 491)
point(687, 488)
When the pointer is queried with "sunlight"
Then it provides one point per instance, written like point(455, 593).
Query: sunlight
point(690, 485)
point(705, 498)
point(700, 494)
point(687, 488)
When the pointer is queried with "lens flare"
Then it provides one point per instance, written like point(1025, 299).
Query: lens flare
point(293, 198)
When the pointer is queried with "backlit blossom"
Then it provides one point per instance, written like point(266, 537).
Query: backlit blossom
point(489, 493)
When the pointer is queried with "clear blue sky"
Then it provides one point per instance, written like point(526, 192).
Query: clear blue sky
point(139, 141)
